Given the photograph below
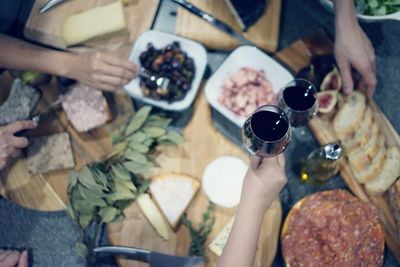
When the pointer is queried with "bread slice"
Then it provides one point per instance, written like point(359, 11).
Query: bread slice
point(173, 194)
point(349, 117)
point(373, 169)
point(388, 175)
point(49, 153)
point(361, 157)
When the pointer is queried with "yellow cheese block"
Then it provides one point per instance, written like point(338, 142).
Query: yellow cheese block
point(154, 215)
point(99, 21)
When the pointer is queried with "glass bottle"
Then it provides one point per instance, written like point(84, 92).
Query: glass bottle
point(322, 163)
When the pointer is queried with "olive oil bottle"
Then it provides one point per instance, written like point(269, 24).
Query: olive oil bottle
point(321, 164)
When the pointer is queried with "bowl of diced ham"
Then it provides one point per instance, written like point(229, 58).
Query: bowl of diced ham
point(247, 79)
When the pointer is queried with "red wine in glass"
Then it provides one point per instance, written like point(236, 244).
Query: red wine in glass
point(266, 132)
point(299, 101)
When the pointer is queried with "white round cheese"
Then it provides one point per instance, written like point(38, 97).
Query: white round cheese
point(222, 180)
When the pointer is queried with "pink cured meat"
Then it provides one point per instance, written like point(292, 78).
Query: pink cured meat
point(86, 108)
point(246, 90)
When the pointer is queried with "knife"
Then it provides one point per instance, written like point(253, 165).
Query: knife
point(155, 259)
point(49, 5)
point(214, 21)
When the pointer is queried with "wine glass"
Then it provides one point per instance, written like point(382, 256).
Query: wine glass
point(299, 100)
point(267, 131)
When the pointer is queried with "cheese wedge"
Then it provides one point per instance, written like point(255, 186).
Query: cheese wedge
point(173, 194)
point(153, 215)
point(218, 244)
point(99, 21)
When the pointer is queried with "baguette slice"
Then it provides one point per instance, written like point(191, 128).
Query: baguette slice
point(349, 117)
point(367, 129)
point(360, 158)
point(388, 174)
point(373, 169)
point(173, 194)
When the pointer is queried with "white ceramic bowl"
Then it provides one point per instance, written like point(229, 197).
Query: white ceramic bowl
point(244, 56)
point(394, 16)
point(160, 40)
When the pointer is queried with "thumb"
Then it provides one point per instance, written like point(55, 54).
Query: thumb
point(345, 73)
point(23, 260)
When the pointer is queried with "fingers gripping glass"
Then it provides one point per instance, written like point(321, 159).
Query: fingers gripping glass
point(267, 131)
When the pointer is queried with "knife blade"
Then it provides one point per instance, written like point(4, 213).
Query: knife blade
point(155, 259)
point(49, 5)
point(214, 21)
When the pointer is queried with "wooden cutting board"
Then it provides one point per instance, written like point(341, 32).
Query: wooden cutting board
point(297, 56)
point(264, 33)
point(47, 28)
point(203, 144)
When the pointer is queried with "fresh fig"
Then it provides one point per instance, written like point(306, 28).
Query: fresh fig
point(323, 64)
point(332, 81)
point(311, 75)
point(327, 101)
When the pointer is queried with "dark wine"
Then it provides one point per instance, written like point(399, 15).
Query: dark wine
point(299, 97)
point(268, 126)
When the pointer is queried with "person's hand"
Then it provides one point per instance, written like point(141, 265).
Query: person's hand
point(13, 258)
point(354, 49)
point(265, 177)
point(102, 71)
point(10, 145)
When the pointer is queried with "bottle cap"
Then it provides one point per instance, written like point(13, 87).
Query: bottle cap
point(333, 151)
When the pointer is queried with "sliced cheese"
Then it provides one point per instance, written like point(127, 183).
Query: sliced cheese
point(218, 244)
point(173, 194)
point(99, 21)
point(153, 215)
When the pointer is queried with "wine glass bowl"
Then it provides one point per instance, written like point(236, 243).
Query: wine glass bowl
point(299, 100)
point(267, 131)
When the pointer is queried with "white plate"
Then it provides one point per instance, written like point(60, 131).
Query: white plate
point(244, 56)
point(396, 16)
point(160, 40)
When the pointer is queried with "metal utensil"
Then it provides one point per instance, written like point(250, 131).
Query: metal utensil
point(49, 5)
point(214, 21)
point(41, 116)
point(161, 82)
point(154, 259)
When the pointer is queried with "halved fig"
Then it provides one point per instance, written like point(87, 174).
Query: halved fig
point(332, 81)
point(327, 101)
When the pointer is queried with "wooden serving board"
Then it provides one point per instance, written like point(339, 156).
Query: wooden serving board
point(47, 28)
point(203, 144)
point(297, 56)
point(264, 33)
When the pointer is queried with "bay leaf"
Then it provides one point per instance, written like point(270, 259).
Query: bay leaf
point(154, 131)
point(119, 187)
point(117, 149)
point(138, 120)
point(127, 195)
point(138, 147)
point(119, 218)
point(73, 179)
point(137, 137)
point(157, 121)
point(81, 206)
point(148, 142)
point(86, 177)
point(81, 249)
point(120, 172)
point(70, 211)
point(107, 214)
point(135, 167)
point(172, 136)
point(101, 178)
point(92, 198)
point(135, 156)
point(85, 220)
point(126, 184)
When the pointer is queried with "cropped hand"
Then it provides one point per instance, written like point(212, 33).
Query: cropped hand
point(10, 145)
point(13, 258)
point(102, 71)
point(354, 49)
point(266, 176)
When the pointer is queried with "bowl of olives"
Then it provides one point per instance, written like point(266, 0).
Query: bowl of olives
point(180, 60)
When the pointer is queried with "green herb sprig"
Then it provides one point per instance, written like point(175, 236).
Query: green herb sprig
point(199, 235)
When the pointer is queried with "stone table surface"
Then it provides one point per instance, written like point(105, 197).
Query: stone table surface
point(51, 236)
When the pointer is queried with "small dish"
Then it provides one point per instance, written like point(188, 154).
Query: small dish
point(245, 56)
point(178, 110)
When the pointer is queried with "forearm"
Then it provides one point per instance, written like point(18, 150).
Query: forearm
point(20, 55)
point(345, 15)
point(241, 245)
